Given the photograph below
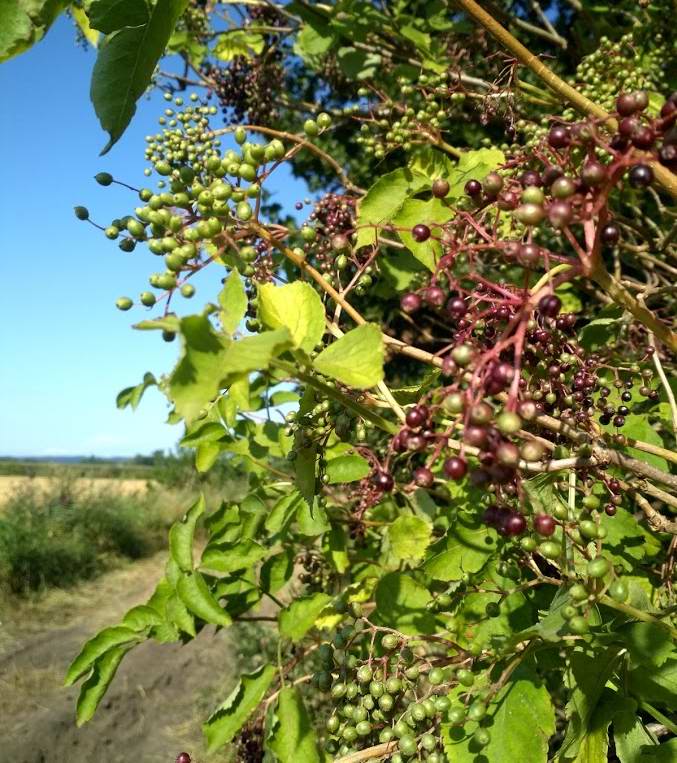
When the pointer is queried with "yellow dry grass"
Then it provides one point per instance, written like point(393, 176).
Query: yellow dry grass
point(11, 484)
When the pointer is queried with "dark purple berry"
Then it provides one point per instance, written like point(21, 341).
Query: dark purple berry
point(455, 467)
point(434, 296)
point(423, 477)
point(417, 416)
point(610, 234)
point(625, 104)
point(531, 177)
point(456, 307)
point(473, 188)
point(640, 176)
point(420, 233)
point(183, 757)
point(411, 302)
point(643, 138)
point(544, 524)
point(593, 173)
point(559, 137)
point(549, 305)
point(383, 481)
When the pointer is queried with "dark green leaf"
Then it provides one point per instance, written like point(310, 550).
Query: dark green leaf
point(277, 570)
point(110, 15)
point(299, 617)
point(195, 594)
point(96, 647)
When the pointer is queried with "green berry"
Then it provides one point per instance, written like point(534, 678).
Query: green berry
point(147, 298)
point(82, 213)
point(436, 676)
point(465, 677)
point(103, 178)
point(598, 568)
point(619, 590)
point(310, 128)
point(123, 303)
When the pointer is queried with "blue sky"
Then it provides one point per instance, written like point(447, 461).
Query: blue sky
point(66, 350)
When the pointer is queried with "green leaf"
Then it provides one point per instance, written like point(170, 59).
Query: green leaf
point(312, 43)
point(312, 518)
point(356, 359)
point(94, 688)
point(233, 302)
point(206, 455)
point(195, 594)
point(648, 643)
point(141, 617)
point(283, 511)
point(132, 395)
point(88, 32)
point(202, 432)
point(229, 557)
point(304, 465)
point(298, 307)
point(627, 541)
point(414, 211)
point(178, 614)
point(125, 65)
point(383, 200)
point(657, 685)
point(299, 617)
point(631, 737)
point(409, 537)
point(110, 15)
point(181, 535)
point(25, 22)
point(542, 493)
point(254, 353)
point(238, 42)
point(523, 720)
point(276, 571)
point(473, 165)
point(224, 723)
point(358, 64)
point(335, 547)
point(602, 330)
point(347, 469)
point(431, 163)
point(96, 647)
point(466, 548)
point(401, 604)
point(638, 427)
point(293, 737)
point(662, 753)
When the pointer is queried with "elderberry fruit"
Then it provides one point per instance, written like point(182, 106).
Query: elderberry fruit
point(640, 176)
point(420, 233)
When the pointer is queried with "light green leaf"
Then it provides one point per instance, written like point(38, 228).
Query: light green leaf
point(202, 432)
point(206, 455)
point(293, 738)
point(222, 726)
point(228, 557)
point(141, 617)
point(431, 163)
point(627, 541)
point(181, 535)
point(631, 737)
point(312, 43)
point(655, 685)
point(178, 615)
point(638, 427)
point(238, 42)
point(298, 307)
point(195, 594)
point(311, 518)
point(473, 165)
point(409, 537)
point(299, 617)
point(283, 511)
point(335, 547)
point(95, 686)
point(347, 469)
point(523, 720)
point(233, 302)
point(466, 548)
point(383, 200)
point(125, 65)
point(132, 395)
point(648, 643)
point(356, 359)
point(401, 604)
point(25, 22)
point(430, 212)
point(254, 353)
point(96, 647)
point(276, 571)
point(110, 15)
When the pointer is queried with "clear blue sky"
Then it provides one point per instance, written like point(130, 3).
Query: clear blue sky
point(66, 350)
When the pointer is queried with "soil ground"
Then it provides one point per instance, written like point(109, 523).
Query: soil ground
point(155, 704)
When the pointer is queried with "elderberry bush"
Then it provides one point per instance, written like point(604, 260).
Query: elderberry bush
point(449, 373)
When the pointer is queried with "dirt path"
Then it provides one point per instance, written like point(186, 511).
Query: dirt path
point(155, 705)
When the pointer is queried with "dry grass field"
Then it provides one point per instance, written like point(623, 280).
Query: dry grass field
point(11, 484)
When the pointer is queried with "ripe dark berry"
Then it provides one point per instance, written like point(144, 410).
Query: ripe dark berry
point(549, 305)
point(183, 757)
point(440, 188)
point(610, 510)
point(643, 138)
point(423, 477)
point(513, 524)
point(417, 416)
point(627, 126)
point(559, 137)
point(456, 307)
point(593, 173)
point(455, 467)
point(640, 176)
point(434, 296)
point(641, 99)
point(544, 524)
point(473, 188)
point(383, 481)
point(411, 302)
point(619, 421)
point(420, 233)
point(476, 436)
point(531, 177)
point(560, 214)
point(626, 104)
point(610, 234)
point(668, 155)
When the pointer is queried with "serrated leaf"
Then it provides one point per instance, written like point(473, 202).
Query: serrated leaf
point(409, 537)
point(132, 395)
point(401, 604)
point(95, 686)
point(228, 718)
point(293, 738)
point(96, 647)
point(110, 15)
point(347, 469)
point(238, 42)
point(648, 643)
point(298, 307)
point(283, 512)
point(229, 557)
point(195, 594)
point(335, 547)
point(125, 65)
point(627, 541)
point(233, 302)
point(474, 165)
point(178, 615)
point(141, 617)
point(630, 735)
point(311, 518)
point(276, 571)
point(466, 548)
point(523, 720)
point(657, 685)
point(356, 359)
point(25, 22)
point(383, 200)
point(430, 212)
point(299, 617)
point(181, 535)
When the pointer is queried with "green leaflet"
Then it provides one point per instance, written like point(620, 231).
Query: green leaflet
point(238, 42)
point(195, 594)
point(466, 548)
point(293, 738)
point(229, 557)
point(410, 214)
point(401, 604)
point(276, 571)
point(233, 302)
point(283, 511)
point(25, 22)
point(296, 306)
point(178, 614)
point(523, 719)
point(125, 65)
point(648, 643)
point(96, 647)
point(409, 537)
point(299, 617)
point(356, 359)
point(347, 469)
point(335, 547)
point(473, 164)
point(110, 15)
point(141, 617)
point(94, 688)
point(228, 718)
point(132, 395)
point(181, 535)
point(655, 685)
